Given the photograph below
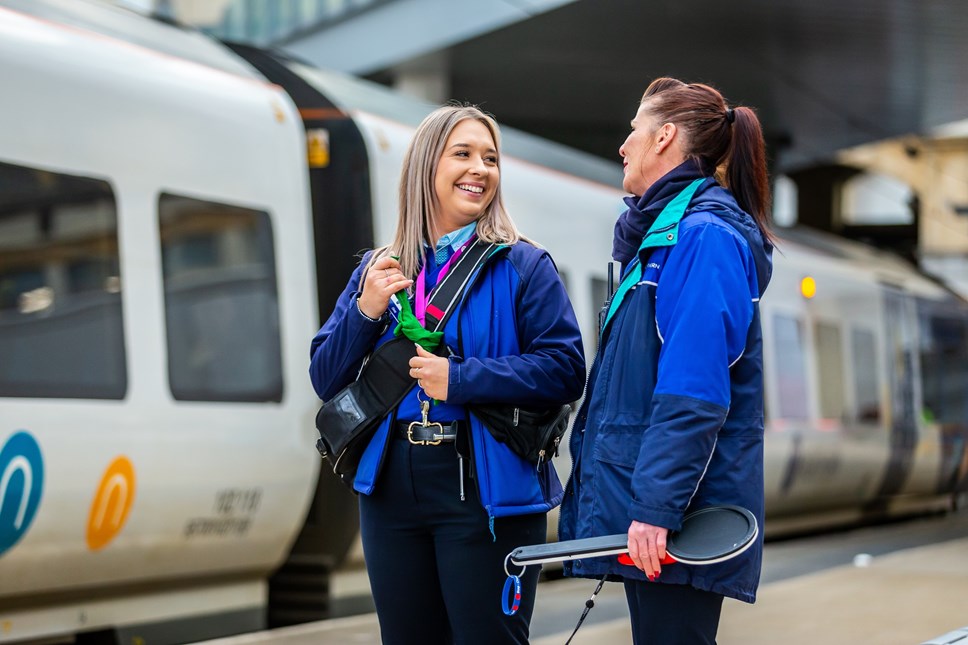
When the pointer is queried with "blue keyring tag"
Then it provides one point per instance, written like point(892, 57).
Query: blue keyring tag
point(515, 604)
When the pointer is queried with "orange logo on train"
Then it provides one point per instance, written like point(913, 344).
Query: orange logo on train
point(111, 504)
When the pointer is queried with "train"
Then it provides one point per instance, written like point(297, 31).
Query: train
point(177, 218)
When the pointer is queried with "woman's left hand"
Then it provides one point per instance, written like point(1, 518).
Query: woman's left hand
point(432, 373)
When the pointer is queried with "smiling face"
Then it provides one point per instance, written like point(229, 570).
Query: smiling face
point(467, 176)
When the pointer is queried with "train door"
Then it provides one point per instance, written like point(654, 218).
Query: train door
point(342, 225)
point(900, 343)
point(943, 343)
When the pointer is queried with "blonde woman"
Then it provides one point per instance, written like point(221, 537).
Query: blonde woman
point(441, 500)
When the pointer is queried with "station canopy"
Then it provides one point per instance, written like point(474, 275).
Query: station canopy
point(823, 74)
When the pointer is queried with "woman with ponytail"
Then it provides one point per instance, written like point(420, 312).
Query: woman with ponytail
point(672, 420)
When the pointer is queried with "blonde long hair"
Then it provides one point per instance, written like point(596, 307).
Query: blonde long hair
point(418, 198)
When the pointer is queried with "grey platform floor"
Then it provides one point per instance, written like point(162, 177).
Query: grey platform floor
point(897, 584)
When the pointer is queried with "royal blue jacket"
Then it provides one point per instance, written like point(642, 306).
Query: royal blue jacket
point(514, 339)
point(673, 415)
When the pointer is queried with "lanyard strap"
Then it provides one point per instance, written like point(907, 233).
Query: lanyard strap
point(443, 298)
point(421, 299)
point(663, 232)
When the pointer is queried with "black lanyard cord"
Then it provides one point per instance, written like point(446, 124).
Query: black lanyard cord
point(588, 607)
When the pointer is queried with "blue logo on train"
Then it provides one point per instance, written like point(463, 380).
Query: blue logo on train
point(21, 485)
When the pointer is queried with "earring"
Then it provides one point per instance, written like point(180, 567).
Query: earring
point(657, 150)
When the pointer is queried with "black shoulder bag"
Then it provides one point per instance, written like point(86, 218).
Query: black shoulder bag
point(348, 420)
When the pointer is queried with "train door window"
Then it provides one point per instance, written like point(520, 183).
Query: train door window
point(830, 370)
point(901, 344)
point(61, 331)
point(790, 368)
point(866, 388)
point(221, 302)
point(944, 354)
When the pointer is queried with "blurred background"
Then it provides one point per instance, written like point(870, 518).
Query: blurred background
point(828, 79)
point(185, 186)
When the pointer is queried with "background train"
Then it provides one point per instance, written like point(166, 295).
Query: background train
point(177, 216)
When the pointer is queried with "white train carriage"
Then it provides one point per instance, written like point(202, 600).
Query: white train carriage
point(865, 385)
point(156, 297)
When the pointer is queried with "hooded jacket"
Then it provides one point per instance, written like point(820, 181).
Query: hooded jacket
point(513, 339)
point(673, 414)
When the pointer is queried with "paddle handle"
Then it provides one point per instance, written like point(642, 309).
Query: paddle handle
point(625, 559)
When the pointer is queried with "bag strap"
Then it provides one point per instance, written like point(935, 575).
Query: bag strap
point(445, 296)
point(398, 361)
point(384, 380)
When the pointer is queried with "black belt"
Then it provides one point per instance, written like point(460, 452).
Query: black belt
point(428, 435)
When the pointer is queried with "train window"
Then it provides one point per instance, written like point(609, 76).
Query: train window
point(866, 389)
point(944, 354)
point(830, 370)
point(61, 332)
point(221, 303)
point(790, 367)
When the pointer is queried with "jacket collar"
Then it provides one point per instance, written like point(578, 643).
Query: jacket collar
point(665, 229)
point(642, 211)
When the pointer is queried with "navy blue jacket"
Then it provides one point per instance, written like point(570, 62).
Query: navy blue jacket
point(673, 416)
point(514, 339)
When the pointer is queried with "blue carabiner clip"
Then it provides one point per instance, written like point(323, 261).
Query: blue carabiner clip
point(511, 608)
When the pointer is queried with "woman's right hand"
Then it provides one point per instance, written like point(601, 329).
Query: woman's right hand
point(383, 279)
point(647, 547)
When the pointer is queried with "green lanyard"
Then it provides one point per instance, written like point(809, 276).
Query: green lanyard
point(663, 232)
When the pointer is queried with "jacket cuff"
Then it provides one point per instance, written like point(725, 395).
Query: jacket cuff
point(382, 318)
point(455, 393)
point(667, 518)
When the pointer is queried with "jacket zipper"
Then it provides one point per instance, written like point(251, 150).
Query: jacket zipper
point(471, 463)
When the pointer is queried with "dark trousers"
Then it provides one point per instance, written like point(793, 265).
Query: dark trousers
point(672, 614)
point(436, 572)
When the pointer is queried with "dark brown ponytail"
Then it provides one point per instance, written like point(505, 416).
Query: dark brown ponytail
point(746, 175)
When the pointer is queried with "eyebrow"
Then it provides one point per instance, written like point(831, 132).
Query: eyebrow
point(467, 145)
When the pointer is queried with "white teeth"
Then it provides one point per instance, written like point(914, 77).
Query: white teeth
point(473, 189)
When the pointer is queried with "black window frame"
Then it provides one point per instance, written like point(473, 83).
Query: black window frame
point(79, 366)
point(184, 384)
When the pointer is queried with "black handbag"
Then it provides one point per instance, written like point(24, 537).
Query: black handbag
point(348, 420)
point(532, 434)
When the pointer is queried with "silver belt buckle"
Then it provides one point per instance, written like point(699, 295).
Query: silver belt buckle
point(425, 442)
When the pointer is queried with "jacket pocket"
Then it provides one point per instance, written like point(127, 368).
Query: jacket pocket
point(619, 444)
point(631, 358)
